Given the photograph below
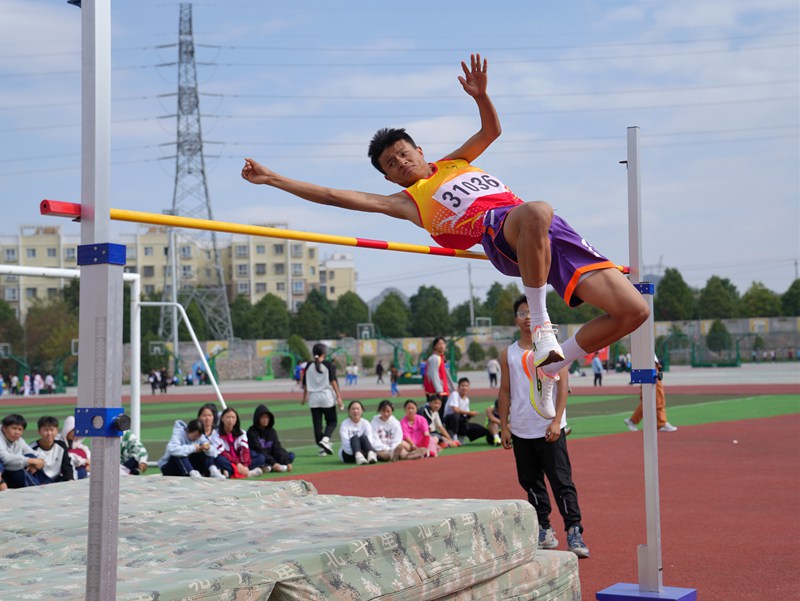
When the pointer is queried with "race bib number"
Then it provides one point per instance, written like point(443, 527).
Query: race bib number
point(460, 192)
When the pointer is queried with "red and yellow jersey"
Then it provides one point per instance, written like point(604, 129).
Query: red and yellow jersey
point(453, 201)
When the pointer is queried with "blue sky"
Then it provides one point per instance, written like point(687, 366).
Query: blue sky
point(302, 86)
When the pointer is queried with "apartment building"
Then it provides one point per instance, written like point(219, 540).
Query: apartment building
point(251, 266)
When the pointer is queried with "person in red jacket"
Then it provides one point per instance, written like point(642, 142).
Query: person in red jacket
point(234, 447)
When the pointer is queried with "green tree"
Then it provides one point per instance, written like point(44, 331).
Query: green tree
point(475, 352)
point(502, 304)
point(271, 318)
point(430, 315)
point(392, 318)
point(49, 330)
point(325, 311)
point(11, 330)
point(760, 301)
point(298, 347)
point(350, 311)
point(198, 321)
point(718, 300)
point(718, 338)
point(242, 318)
point(790, 300)
point(308, 322)
point(459, 315)
point(674, 300)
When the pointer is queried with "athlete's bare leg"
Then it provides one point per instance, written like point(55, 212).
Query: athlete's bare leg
point(525, 229)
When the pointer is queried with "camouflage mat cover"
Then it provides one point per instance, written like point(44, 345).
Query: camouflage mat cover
point(184, 539)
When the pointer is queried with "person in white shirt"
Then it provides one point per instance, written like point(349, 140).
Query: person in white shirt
point(356, 435)
point(321, 392)
point(539, 442)
point(387, 434)
point(457, 414)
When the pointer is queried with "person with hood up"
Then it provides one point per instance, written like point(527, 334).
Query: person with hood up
point(265, 444)
point(80, 455)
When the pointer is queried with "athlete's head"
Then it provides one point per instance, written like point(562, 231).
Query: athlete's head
point(395, 154)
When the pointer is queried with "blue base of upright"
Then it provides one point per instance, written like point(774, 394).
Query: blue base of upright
point(625, 592)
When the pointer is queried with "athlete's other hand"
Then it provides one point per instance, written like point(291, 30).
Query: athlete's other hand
point(505, 438)
point(475, 79)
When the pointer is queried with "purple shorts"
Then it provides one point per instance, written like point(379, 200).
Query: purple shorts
point(570, 255)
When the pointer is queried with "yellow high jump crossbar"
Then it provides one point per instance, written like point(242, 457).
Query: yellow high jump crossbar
point(58, 208)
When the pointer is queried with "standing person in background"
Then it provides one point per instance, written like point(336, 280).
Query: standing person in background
point(661, 406)
point(394, 376)
point(539, 443)
point(437, 381)
point(379, 372)
point(493, 368)
point(321, 392)
point(597, 370)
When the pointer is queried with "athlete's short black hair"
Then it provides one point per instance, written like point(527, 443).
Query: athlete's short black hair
point(522, 299)
point(384, 138)
point(15, 419)
point(47, 420)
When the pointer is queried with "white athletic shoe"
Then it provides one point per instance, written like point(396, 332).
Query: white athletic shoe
point(282, 468)
point(372, 457)
point(214, 472)
point(542, 387)
point(360, 459)
point(325, 443)
point(195, 474)
point(631, 426)
point(668, 427)
point(545, 345)
point(255, 472)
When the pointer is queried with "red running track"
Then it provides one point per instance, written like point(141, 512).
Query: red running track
point(729, 511)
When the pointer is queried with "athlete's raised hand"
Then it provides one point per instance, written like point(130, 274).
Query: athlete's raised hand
point(255, 173)
point(475, 79)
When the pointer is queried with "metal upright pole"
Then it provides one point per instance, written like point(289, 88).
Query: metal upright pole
point(100, 329)
point(643, 372)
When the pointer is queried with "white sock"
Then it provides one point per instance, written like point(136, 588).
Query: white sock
point(537, 304)
point(571, 350)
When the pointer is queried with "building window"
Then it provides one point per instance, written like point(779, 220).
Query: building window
point(297, 251)
point(130, 252)
point(298, 287)
point(261, 288)
point(69, 254)
point(242, 270)
point(280, 286)
point(277, 249)
point(261, 249)
point(297, 269)
point(241, 251)
point(11, 294)
point(279, 268)
point(148, 271)
point(11, 278)
point(312, 271)
point(331, 275)
point(30, 253)
point(52, 292)
point(186, 272)
point(52, 253)
point(333, 290)
point(148, 251)
point(243, 287)
point(149, 290)
point(10, 254)
point(261, 268)
point(310, 253)
point(30, 292)
point(186, 252)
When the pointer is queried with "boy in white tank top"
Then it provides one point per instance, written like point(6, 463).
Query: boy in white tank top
point(533, 427)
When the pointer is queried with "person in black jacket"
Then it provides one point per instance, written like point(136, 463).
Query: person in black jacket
point(264, 441)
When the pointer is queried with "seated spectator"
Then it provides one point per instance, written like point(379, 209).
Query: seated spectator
point(20, 462)
point(493, 425)
point(57, 464)
point(265, 446)
point(132, 454)
point(417, 433)
point(457, 415)
point(356, 436)
point(387, 434)
point(208, 416)
point(79, 453)
point(431, 411)
point(234, 449)
point(184, 443)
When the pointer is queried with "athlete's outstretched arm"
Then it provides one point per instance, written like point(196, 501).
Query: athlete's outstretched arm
point(474, 83)
point(396, 205)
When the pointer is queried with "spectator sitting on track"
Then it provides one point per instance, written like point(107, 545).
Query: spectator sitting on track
point(417, 433)
point(431, 411)
point(356, 436)
point(17, 458)
point(185, 450)
point(132, 455)
point(234, 448)
point(265, 444)
point(493, 425)
point(79, 453)
point(457, 415)
point(387, 434)
point(57, 464)
point(208, 417)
